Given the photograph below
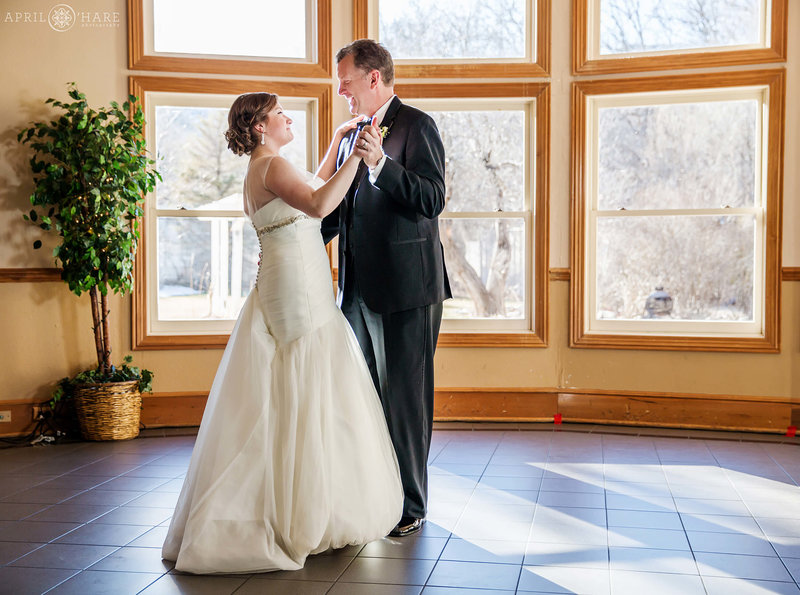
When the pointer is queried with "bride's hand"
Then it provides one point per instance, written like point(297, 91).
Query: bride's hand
point(346, 127)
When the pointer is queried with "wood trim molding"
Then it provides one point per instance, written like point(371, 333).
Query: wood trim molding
point(360, 19)
point(541, 204)
point(624, 407)
point(480, 339)
point(139, 86)
point(408, 69)
point(525, 404)
point(139, 60)
point(30, 275)
point(581, 64)
point(791, 273)
point(639, 408)
point(770, 341)
point(559, 274)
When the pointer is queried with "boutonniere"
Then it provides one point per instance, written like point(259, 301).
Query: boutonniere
point(384, 130)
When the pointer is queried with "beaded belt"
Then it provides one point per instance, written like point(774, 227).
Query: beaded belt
point(282, 223)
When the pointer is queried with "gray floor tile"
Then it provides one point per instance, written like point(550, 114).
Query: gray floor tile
point(643, 503)
point(474, 575)
point(567, 499)
point(37, 495)
point(663, 539)
point(135, 559)
point(65, 555)
point(388, 571)
point(562, 579)
point(646, 560)
point(130, 515)
point(163, 471)
point(317, 568)
point(624, 582)
point(98, 581)
point(570, 555)
point(475, 550)
point(341, 588)
point(413, 546)
point(34, 531)
point(76, 513)
point(714, 507)
point(570, 485)
point(11, 550)
point(93, 534)
point(154, 500)
point(31, 581)
point(726, 543)
point(776, 527)
point(577, 532)
point(130, 484)
point(644, 519)
point(793, 566)
point(15, 511)
point(153, 538)
point(741, 566)
point(181, 584)
point(716, 585)
point(101, 496)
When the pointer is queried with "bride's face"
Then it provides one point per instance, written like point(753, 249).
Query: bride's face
point(279, 125)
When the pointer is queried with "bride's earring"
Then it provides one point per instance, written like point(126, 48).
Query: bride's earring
point(263, 139)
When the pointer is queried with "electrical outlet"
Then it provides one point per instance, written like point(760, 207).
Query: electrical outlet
point(5, 416)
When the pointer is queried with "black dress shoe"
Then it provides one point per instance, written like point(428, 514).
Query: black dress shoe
point(407, 526)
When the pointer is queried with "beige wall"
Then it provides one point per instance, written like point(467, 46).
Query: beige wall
point(46, 332)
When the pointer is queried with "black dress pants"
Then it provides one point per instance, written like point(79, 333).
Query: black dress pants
point(399, 350)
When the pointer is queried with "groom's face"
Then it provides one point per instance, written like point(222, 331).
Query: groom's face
point(357, 86)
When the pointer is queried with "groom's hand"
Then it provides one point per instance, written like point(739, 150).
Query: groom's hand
point(369, 145)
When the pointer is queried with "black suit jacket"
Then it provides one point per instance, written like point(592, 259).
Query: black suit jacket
point(392, 227)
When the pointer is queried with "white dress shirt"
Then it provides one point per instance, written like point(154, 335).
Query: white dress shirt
point(374, 172)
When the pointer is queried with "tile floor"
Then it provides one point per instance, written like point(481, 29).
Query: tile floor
point(580, 510)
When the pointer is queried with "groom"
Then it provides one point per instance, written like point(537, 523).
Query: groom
point(392, 277)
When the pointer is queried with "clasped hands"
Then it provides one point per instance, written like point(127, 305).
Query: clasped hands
point(368, 142)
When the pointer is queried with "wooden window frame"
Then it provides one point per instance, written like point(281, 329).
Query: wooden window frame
point(408, 69)
point(322, 93)
point(677, 60)
point(537, 336)
point(138, 59)
point(769, 342)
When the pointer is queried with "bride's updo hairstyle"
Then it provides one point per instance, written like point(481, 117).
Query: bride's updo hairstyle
point(247, 111)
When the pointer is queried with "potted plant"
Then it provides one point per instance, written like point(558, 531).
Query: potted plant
point(91, 173)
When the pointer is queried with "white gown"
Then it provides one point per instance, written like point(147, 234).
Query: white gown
point(293, 455)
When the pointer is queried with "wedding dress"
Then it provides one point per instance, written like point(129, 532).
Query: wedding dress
point(293, 455)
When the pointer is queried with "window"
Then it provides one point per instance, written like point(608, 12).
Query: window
point(628, 35)
point(494, 218)
point(201, 257)
point(472, 38)
point(258, 37)
point(675, 213)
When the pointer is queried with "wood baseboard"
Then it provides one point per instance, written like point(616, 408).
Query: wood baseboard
point(634, 408)
point(637, 408)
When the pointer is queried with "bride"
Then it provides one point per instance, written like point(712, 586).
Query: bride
point(293, 455)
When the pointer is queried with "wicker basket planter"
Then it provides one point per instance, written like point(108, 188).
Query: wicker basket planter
point(109, 411)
